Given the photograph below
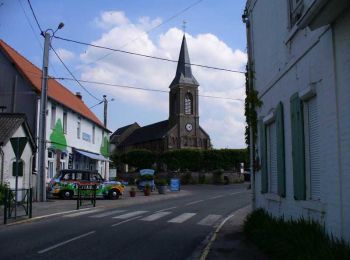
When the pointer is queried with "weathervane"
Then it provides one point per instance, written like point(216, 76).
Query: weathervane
point(184, 26)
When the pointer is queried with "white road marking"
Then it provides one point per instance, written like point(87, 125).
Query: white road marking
point(131, 214)
point(194, 202)
point(65, 242)
point(166, 209)
point(81, 213)
point(122, 222)
point(209, 220)
point(234, 193)
point(108, 213)
point(156, 216)
point(216, 197)
point(182, 218)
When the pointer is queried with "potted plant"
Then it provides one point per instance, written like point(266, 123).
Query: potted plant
point(162, 185)
point(132, 192)
point(147, 189)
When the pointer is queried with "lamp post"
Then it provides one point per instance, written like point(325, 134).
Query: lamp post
point(42, 117)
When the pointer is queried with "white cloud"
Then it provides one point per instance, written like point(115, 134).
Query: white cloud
point(222, 119)
point(64, 54)
point(110, 19)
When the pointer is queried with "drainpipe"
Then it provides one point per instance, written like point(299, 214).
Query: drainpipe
point(2, 166)
point(246, 20)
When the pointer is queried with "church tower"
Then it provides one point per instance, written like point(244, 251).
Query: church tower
point(183, 101)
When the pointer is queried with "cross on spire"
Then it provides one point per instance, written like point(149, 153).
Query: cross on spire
point(184, 26)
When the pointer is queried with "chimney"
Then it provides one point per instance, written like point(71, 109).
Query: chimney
point(78, 94)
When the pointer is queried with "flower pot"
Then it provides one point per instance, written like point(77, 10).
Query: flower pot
point(161, 189)
point(147, 192)
point(132, 193)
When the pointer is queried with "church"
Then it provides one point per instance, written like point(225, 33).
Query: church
point(181, 130)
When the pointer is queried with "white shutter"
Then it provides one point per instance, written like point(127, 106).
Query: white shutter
point(272, 160)
point(314, 149)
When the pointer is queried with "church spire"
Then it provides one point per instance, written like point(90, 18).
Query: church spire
point(184, 72)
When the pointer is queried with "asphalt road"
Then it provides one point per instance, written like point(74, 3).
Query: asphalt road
point(167, 229)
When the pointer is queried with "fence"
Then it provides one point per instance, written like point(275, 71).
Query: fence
point(86, 193)
point(17, 204)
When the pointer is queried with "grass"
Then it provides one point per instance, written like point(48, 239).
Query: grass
point(293, 239)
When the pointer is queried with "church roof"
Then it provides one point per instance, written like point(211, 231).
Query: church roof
point(121, 130)
point(147, 133)
point(184, 72)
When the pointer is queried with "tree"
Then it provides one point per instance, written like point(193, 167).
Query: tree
point(105, 147)
point(57, 138)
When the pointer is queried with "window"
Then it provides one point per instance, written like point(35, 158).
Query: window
point(188, 104)
point(78, 127)
point(272, 157)
point(50, 171)
point(295, 11)
point(312, 149)
point(93, 134)
point(65, 122)
point(63, 161)
point(53, 116)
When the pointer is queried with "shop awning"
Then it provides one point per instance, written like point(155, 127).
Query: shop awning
point(93, 156)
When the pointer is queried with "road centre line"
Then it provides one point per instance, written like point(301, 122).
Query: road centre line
point(216, 197)
point(194, 202)
point(124, 221)
point(65, 242)
point(165, 209)
point(234, 193)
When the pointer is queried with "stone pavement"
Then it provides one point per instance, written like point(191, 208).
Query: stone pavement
point(54, 207)
point(229, 241)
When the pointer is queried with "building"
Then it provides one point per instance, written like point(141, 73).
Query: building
point(181, 129)
point(76, 138)
point(299, 57)
point(15, 126)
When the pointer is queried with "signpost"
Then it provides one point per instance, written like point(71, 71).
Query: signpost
point(175, 184)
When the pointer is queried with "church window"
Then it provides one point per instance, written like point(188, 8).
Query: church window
point(188, 104)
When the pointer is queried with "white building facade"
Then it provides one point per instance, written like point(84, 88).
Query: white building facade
point(299, 53)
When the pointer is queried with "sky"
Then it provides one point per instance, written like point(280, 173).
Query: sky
point(215, 37)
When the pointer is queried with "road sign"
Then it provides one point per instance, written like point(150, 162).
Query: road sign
point(18, 144)
point(174, 184)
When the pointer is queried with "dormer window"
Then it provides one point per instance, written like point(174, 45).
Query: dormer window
point(188, 104)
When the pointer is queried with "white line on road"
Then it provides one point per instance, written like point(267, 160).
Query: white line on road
point(216, 197)
point(209, 220)
point(166, 209)
point(131, 214)
point(156, 216)
point(65, 242)
point(108, 213)
point(182, 218)
point(122, 222)
point(234, 193)
point(81, 213)
point(194, 202)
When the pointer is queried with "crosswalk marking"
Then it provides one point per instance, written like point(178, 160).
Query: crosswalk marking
point(156, 216)
point(108, 213)
point(82, 213)
point(182, 218)
point(131, 214)
point(209, 220)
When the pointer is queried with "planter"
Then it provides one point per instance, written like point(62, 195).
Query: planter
point(162, 189)
point(147, 192)
point(132, 193)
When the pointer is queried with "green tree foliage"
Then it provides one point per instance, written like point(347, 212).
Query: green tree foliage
point(105, 147)
point(57, 137)
point(140, 158)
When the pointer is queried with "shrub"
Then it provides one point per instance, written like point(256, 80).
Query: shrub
point(3, 188)
point(140, 158)
point(293, 239)
point(202, 179)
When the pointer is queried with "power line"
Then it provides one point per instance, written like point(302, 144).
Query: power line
point(37, 22)
point(155, 27)
point(144, 89)
point(144, 55)
point(74, 78)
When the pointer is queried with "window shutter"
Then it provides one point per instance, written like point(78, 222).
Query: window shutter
point(281, 173)
point(298, 147)
point(263, 155)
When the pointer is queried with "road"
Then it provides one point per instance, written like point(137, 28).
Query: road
point(167, 229)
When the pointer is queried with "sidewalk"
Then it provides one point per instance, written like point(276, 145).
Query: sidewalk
point(229, 242)
point(54, 207)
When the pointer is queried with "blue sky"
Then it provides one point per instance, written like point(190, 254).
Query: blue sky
point(215, 34)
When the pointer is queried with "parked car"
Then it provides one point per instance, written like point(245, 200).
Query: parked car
point(65, 184)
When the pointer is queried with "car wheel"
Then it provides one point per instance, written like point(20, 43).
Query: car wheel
point(67, 194)
point(113, 194)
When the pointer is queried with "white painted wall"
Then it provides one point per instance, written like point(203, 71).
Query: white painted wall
point(288, 61)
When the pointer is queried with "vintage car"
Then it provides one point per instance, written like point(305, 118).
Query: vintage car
point(65, 184)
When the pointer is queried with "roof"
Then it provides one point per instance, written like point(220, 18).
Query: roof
point(147, 133)
point(184, 72)
point(121, 130)
point(56, 91)
point(10, 122)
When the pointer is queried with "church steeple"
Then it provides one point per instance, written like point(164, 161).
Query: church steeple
point(184, 72)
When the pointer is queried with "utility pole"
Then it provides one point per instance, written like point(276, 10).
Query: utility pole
point(105, 102)
point(42, 121)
